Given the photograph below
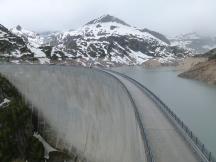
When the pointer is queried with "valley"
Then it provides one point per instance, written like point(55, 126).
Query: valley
point(79, 87)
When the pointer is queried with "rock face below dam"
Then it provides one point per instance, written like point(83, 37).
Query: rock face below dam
point(82, 111)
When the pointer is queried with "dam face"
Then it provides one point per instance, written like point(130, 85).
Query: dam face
point(82, 111)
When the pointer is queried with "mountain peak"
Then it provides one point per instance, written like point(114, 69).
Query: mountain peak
point(18, 27)
point(107, 18)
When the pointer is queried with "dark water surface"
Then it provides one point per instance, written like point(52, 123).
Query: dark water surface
point(193, 101)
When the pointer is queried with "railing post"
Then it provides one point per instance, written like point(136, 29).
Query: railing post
point(209, 156)
point(202, 147)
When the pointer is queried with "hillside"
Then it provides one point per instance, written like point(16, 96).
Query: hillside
point(16, 133)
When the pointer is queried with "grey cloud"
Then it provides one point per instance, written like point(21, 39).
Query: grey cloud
point(166, 16)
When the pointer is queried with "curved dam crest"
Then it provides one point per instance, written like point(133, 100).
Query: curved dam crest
point(83, 110)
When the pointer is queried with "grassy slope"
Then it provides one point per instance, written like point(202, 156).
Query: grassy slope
point(16, 128)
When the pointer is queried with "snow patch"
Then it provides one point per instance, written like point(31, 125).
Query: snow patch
point(47, 147)
point(140, 57)
point(15, 61)
point(4, 103)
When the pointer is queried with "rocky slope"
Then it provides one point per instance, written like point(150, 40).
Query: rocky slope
point(12, 46)
point(32, 38)
point(204, 71)
point(194, 42)
point(18, 46)
point(33, 42)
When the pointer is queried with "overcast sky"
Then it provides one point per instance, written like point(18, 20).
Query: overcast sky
point(170, 17)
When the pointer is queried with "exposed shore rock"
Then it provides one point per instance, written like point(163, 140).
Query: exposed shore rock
point(203, 71)
point(189, 62)
point(157, 63)
point(152, 64)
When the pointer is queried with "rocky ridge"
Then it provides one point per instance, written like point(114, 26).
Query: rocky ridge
point(194, 42)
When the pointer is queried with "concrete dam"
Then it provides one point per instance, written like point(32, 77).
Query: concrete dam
point(103, 116)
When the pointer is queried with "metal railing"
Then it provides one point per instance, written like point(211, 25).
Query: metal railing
point(187, 133)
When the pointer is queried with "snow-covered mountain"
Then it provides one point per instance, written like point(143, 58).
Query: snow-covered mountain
point(194, 42)
point(15, 48)
point(109, 40)
point(105, 41)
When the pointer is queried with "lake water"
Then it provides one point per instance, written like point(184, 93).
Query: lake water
point(193, 101)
